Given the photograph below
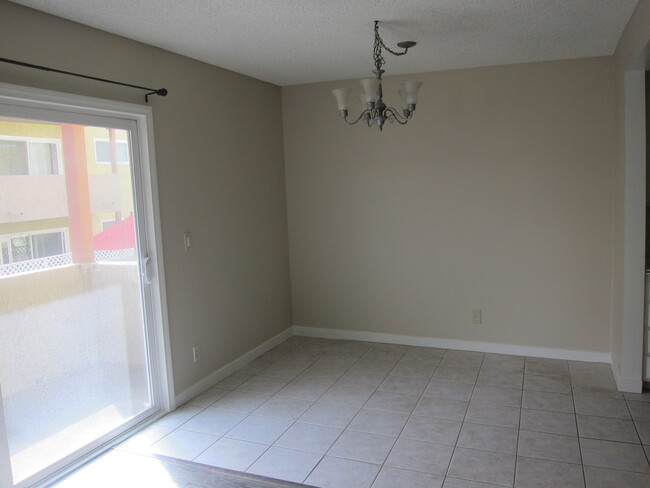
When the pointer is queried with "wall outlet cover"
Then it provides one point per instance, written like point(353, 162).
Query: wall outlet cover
point(477, 316)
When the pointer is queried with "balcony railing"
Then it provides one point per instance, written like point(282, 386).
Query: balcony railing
point(123, 255)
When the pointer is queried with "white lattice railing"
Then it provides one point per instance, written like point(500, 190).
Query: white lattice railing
point(63, 260)
point(36, 264)
point(115, 255)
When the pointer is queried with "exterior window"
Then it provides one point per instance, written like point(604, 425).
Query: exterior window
point(45, 245)
point(103, 151)
point(43, 158)
point(106, 223)
point(13, 158)
point(15, 249)
point(4, 257)
point(21, 248)
point(28, 158)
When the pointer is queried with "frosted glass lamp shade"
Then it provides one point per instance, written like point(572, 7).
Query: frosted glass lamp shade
point(412, 88)
point(362, 99)
point(370, 87)
point(402, 94)
point(342, 96)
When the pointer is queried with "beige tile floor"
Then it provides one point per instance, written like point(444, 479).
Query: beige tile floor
point(346, 414)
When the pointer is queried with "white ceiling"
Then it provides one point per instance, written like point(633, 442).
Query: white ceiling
point(290, 42)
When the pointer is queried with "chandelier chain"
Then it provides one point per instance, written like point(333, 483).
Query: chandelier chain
point(378, 45)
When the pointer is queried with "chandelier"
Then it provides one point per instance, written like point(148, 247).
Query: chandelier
point(376, 112)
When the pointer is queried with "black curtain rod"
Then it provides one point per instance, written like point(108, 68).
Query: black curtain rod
point(152, 91)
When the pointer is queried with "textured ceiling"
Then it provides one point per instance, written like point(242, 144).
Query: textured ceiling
point(289, 42)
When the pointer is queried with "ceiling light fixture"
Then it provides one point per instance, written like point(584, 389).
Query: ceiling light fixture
point(377, 113)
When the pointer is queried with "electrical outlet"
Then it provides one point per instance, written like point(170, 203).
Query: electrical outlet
point(477, 316)
point(196, 353)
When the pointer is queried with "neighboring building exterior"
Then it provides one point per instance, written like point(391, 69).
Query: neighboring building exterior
point(43, 192)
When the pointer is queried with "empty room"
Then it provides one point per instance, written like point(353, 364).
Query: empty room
point(329, 244)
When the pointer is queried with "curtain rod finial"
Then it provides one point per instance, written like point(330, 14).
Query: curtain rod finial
point(162, 92)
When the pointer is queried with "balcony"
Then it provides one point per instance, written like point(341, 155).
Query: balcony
point(72, 362)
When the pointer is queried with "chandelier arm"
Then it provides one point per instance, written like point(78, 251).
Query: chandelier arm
point(366, 111)
point(393, 115)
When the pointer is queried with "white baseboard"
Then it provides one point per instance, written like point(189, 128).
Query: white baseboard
point(627, 384)
point(215, 377)
point(491, 347)
point(623, 384)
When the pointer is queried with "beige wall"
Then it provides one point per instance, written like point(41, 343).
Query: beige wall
point(496, 196)
point(633, 41)
point(220, 175)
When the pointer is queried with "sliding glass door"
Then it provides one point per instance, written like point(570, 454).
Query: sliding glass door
point(78, 319)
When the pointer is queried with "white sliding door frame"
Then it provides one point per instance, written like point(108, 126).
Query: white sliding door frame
point(630, 376)
point(6, 480)
point(37, 104)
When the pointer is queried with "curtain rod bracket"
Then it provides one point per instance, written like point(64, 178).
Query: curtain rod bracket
point(162, 92)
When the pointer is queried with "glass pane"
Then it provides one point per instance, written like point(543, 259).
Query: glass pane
point(21, 249)
point(42, 158)
point(107, 223)
point(103, 151)
point(13, 158)
point(73, 356)
point(4, 258)
point(48, 244)
point(122, 152)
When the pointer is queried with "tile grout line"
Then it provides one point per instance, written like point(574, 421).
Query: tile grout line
point(409, 417)
point(294, 423)
point(376, 390)
point(329, 347)
point(462, 423)
point(328, 389)
point(248, 415)
point(640, 444)
point(343, 430)
point(381, 466)
point(223, 436)
point(178, 427)
point(521, 409)
point(575, 418)
point(627, 405)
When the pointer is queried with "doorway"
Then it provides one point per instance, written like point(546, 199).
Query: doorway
point(82, 315)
